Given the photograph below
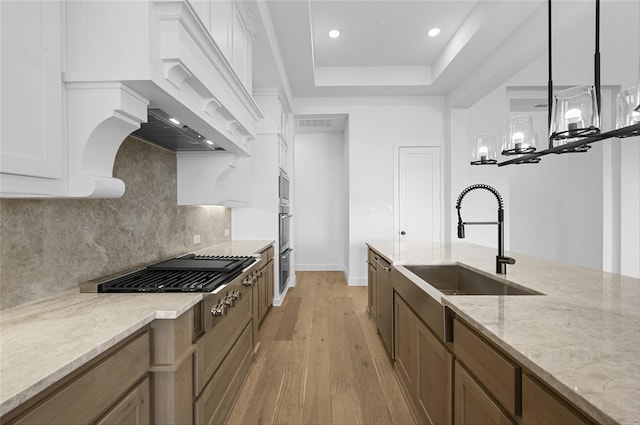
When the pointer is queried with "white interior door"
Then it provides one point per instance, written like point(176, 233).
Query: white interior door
point(419, 194)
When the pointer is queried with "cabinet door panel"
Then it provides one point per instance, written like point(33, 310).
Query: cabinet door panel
point(472, 405)
point(541, 407)
point(31, 130)
point(133, 409)
point(406, 343)
point(435, 375)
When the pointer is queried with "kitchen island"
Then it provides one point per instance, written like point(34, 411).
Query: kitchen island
point(45, 341)
point(581, 338)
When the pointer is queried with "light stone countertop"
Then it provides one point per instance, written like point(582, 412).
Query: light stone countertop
point(42, 342)
point(582, 338)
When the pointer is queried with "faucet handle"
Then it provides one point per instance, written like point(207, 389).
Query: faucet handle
point(505, 260)
point(501, 263)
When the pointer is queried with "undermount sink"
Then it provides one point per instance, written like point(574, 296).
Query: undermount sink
point(457, 280)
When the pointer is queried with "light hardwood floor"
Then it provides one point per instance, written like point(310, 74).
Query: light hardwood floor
point(321, 362)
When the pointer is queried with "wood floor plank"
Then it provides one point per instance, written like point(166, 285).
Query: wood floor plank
point(346, 406)
point(374, 409)
point(329, 367)
point(288, 320)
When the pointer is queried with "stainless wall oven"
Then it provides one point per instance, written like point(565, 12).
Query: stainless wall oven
point(283, 188)
point(285, 266)
point(284, 227)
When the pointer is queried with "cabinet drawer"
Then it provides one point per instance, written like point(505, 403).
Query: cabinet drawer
point(265, 256)
point(541, 407)
point(269, 253)
point(217, 398)
point(218, 340)
point(91, 393)
point(495, 372)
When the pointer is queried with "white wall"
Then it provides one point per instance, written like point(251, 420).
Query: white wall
point(376, 125)
point(321, 202)
point(480, 205)
point(629, 217)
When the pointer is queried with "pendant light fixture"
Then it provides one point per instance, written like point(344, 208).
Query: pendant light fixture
point(484, 150)
point(574, 114)
point(517, 136)
point(628, 107)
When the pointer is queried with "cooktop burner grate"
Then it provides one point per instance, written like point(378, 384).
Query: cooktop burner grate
point(202, 262)
point(190, 273)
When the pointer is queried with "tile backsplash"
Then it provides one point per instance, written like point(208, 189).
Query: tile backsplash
point(51, 246)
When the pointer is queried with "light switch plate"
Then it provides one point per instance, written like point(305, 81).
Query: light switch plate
point(196, 239)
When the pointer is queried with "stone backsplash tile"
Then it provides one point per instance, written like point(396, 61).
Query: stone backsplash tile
point(50, 246)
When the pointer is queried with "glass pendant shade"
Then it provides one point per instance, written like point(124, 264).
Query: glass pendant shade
point(484, 150)
point(574, 114)
point(626, 103)
point(518, 137)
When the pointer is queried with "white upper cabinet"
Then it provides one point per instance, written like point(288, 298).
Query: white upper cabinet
point(32, 95)
point(277, 114)
point(83, 74)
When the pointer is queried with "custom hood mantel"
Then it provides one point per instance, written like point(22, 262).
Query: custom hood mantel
point(121, 58)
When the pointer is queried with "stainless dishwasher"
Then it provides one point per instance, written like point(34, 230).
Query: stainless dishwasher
point(384, 311)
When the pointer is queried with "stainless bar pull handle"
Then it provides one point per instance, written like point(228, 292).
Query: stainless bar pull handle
point(385, 268)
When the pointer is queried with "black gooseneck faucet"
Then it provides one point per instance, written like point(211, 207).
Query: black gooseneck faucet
point(501, 260)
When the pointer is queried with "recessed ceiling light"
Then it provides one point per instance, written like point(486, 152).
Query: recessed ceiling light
point(209, 142)
point(433, 32)
point(175, 121)
point(334, 33)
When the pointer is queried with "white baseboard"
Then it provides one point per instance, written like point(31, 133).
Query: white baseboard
point(357, 281)
point(320, 267)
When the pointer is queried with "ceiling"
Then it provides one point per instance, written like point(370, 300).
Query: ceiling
point(383, 49)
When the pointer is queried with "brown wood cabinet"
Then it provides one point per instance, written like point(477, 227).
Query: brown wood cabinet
point(133, 409)
point(424, 364)
point(172, 369)
point(216, 400)
point(384, 304)
point(435, 376)
point(264, 284)
point(468, 379)
point(497, 373)
point(540, 406)
point(113, 385)
point(406, 343)
point(372, 286)
point(473, 406)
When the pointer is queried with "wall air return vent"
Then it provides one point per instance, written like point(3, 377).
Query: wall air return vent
point(314, 123)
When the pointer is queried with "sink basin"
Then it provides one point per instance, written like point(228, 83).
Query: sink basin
point(458, 280)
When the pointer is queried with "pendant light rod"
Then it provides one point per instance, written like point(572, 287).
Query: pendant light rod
point(550, 82)
point(596, 66)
